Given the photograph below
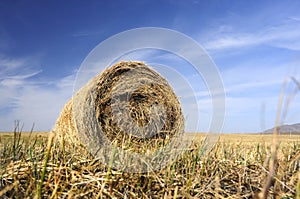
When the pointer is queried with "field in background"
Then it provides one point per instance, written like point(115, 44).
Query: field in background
point(197, 136)
point(237, 167)
point(25, 134)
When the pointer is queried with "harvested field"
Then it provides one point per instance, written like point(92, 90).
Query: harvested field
point(236, 168)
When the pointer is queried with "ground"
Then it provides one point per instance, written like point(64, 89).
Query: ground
point(237, 167)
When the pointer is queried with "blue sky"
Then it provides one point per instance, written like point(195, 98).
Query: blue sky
point(254, 44)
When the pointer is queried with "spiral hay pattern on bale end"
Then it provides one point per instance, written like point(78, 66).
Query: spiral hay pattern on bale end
point(128, 104)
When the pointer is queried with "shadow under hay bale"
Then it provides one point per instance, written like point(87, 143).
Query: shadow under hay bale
point(129, 106)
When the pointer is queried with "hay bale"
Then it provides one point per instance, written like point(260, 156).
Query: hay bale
point(128, 104)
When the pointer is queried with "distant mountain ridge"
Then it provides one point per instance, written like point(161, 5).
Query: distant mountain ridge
point(285, 129)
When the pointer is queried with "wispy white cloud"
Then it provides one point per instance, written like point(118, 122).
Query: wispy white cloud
point(240, 30)
point(295, 18)
point(284, 35)
point(8, 64)
point(17, 79)
point(28, 99)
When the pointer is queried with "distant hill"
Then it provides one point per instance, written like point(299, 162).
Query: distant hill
point(285, 129)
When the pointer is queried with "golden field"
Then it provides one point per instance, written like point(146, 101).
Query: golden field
point(237, 167)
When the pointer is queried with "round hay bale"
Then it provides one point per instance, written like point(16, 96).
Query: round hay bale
point(128, 105)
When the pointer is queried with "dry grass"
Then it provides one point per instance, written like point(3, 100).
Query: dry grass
point(235, 168)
